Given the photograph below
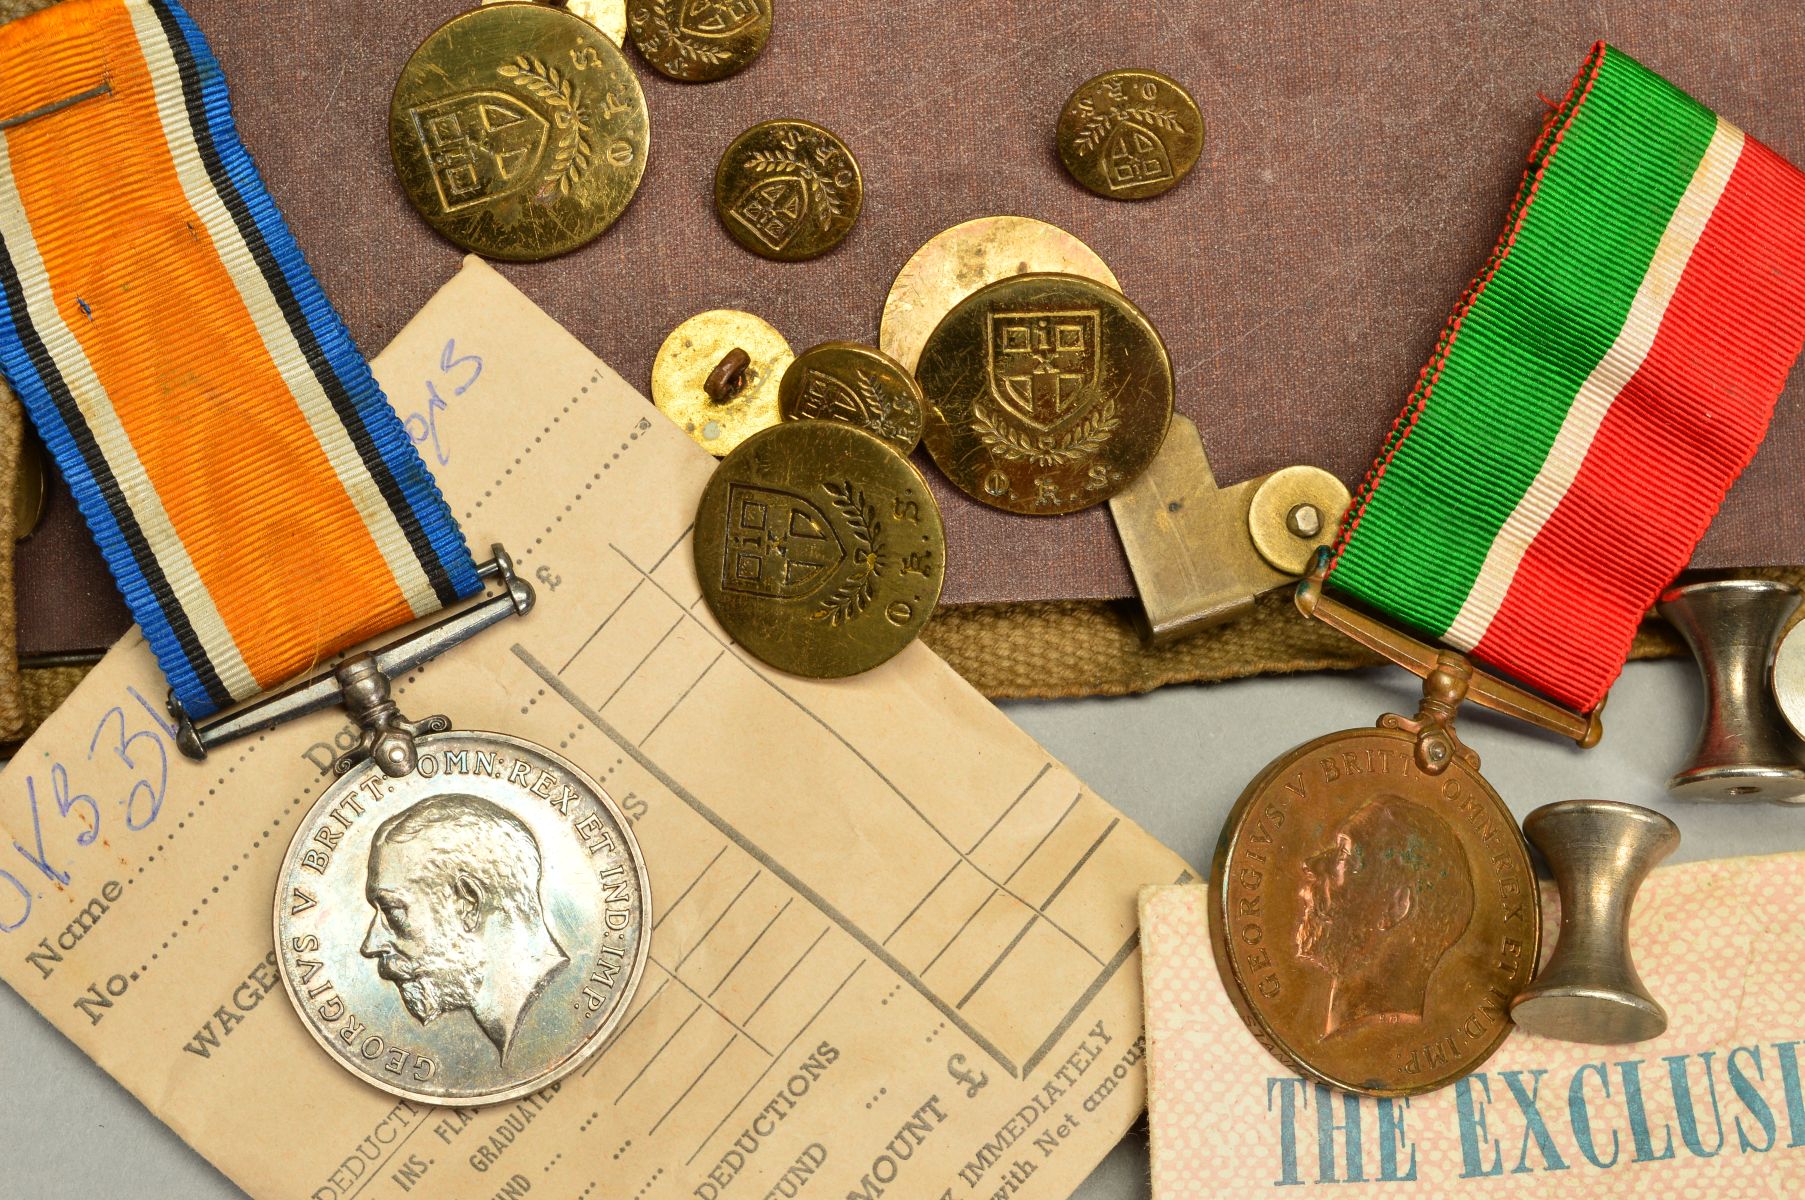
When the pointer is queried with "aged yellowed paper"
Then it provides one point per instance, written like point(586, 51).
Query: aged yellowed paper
point(1713, 1107)
point(894, 950)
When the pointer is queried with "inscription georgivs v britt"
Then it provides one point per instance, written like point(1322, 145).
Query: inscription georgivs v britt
point(468, 933)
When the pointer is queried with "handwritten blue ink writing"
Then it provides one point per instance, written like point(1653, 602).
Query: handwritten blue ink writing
point(423, 427)
point(143, 750)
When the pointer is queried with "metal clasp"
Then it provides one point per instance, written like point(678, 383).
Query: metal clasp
point(361, 683)
point(1449, 676)
point(1201, 554)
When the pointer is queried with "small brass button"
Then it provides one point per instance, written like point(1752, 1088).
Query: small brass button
point(1045, 393)
point(518, 131)
point(844, 381)
point(699, 41)
point(1130, 135)
point(716, 376)
point(788, 190)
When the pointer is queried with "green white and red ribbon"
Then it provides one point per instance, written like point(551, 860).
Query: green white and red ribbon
point(1597, 390)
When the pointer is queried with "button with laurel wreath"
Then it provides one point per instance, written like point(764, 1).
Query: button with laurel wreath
point(819, 548)
point(1130, 135)
point(857, 384)
point(518, 131)
point(699, 41)
point(788, 190)
point(1046, 393)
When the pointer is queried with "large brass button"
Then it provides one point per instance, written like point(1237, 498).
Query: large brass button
point(819, 548)
point(956, 262)
point(518, 131)
point(1046, 393)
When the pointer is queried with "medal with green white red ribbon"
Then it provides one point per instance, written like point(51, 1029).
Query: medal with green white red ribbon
point(1598, 388)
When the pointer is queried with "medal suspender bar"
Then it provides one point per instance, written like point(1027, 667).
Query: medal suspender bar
point(263, 508)
point(222, 435)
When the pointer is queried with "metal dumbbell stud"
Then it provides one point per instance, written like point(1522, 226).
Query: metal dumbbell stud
point(1600, 852)
point(1746, 750)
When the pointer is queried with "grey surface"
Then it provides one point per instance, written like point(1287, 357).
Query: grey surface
point(1175, 760)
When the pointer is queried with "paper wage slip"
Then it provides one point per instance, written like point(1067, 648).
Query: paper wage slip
point(894, 950)
point(1714, 1107)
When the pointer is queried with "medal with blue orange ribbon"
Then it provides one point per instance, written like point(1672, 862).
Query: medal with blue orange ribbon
point(263, 509)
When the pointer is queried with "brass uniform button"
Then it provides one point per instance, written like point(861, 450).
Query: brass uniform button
point(819, 548)
point(1045, 393)
point(788, 190)
point(956, 262)
point(609, 16)
point(698, 41)
point(844, 381)
point(1130, 135)
point(717, 376)
point(518, 131)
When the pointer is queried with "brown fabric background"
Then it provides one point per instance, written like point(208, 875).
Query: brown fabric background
point(1361, 155)
point(1360, 159)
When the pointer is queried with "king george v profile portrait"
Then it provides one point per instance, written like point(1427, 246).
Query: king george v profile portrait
point(1383, 903)
point(459, 924)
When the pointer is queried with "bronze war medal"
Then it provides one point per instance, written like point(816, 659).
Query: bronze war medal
point(1130, 135)
point(958, 261)
point(1046, 393)
point(1372, 906)
point(699, 41)
point(788, 190)
point(844, 381)
point(518, 131)
point(819, 548)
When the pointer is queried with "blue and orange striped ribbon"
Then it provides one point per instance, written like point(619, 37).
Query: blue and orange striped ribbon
point(258, 501)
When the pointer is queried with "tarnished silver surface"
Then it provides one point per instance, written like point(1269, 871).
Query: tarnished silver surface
point(468, 933)
point(1600, 852)
point(1745, 750)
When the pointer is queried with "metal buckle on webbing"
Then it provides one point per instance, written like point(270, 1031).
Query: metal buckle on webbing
point(1456, 669)
point(361, 683)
